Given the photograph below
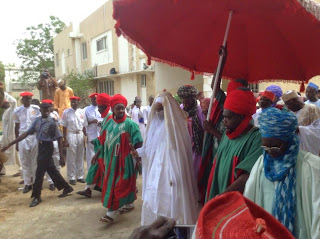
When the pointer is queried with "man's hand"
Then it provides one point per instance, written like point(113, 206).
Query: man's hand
point(62, 161)
point(159, 229)
point(17, 147)
point(65, 144)
point(133, 152)
point(94, 159)
point(5, 148)
point(95, 121)
point(207, 126)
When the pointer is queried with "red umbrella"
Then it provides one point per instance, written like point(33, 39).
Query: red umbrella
point(268, 39)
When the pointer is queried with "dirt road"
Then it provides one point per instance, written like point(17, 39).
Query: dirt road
point(70, 217)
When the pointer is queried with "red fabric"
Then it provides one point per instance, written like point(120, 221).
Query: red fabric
point(47, 102)
point(269, 95)
point(93, 95)
point(211, 176)
point(241, 102)
point(233, 85)
point(118, 99)
point(26, 93)
point(268, 39)
point(104, 99)
point(231, 215)
point(74, 98)
point(241, 128)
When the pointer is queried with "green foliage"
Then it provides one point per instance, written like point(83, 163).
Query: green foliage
point(36, 49)
point(82, 85)
point(2, 72)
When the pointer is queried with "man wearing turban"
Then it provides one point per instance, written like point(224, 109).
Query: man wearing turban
point(311, 94)
point(265, 101)
point(239, 147)
point(122, 137)
point(188, 94)
point(96, 171)
point(285, 181)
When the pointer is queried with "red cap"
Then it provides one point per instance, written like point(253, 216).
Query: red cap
point(46, 101)
point(26, 93)
point(231, 215)
point(74, 98)
point(93, 95)
point(268, 94)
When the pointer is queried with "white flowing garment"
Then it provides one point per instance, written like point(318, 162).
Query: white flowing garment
point(310, 137)
point(136, 113)
point(169, 185)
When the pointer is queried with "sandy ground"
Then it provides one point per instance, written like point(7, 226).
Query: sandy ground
point(70, 217)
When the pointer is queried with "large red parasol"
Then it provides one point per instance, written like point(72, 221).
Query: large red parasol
point(268, 39)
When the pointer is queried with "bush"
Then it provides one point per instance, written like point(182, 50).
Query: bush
point(82, 84)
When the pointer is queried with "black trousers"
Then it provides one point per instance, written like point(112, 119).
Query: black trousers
point(45, 164)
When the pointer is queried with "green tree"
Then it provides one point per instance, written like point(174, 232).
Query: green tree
point(2, 72)
point(36, 49)
point(82, 85)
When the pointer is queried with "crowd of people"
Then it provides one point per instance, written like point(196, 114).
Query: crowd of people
point(266, 148)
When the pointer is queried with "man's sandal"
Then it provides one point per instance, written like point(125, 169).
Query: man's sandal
point(106, 219)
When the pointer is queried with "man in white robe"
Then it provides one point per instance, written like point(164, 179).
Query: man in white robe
point(147, 110)
point(137, 116)
point(8, 132)
point(285, 181)
point(169, 185)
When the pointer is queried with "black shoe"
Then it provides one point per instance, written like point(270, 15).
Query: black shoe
point(81, 180)
point(86, 193)
point(66, 191)
point(35, 202)
point(52, 187)
point(27, 188)
point(72, 182)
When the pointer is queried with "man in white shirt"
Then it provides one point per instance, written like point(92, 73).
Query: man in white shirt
point(23, 117)
point(137, 116)
point(73, 120)
point(311, 94)
point(147, 110)
point(92, 118)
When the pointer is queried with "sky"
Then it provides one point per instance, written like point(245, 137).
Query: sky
point(17, 15)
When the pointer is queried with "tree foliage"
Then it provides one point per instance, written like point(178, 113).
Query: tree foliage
point(82, 85)
point(36, 49)
point(2, 72)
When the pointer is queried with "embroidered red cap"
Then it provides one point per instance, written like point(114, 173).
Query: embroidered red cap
point(74, 98)
point(93, 95)
point(47, 101)
point(268, 94)
point(231, 215)
point(26, 93)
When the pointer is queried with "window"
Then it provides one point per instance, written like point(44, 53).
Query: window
point(57, 59)
point(254, 88)
point(143, 80)
point(84, 51)
point(106, 86)
point(102, 44)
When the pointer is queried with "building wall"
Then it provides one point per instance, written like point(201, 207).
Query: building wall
point(64, 46)
point(171, 78)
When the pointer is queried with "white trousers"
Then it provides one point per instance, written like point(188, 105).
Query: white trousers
point(56, 158)
point(28, 151)
point(75, 152)
point(89, 153)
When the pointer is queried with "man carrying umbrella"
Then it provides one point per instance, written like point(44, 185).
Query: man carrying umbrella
point(240, 145)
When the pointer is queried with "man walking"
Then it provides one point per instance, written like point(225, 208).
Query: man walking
point(62, 97)
point(72, 121)
point(23, 117)
point(47, 131)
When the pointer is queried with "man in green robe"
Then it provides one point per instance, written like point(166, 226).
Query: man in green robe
point(122, 137)
point(240, 145)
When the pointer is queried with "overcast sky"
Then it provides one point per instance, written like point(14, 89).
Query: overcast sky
point(17, 15)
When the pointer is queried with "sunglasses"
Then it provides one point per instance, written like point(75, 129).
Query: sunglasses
point(274, 149)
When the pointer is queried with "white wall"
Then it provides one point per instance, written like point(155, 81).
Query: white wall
point(105, 56)
point(129, 88)
point(171, 78)
point(63, 63)
point(123, 51)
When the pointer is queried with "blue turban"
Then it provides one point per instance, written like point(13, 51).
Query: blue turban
point(275, 90)
point(313, 86)
point(275, 123)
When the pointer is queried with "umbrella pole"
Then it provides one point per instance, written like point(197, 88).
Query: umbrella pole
point(218, 73)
